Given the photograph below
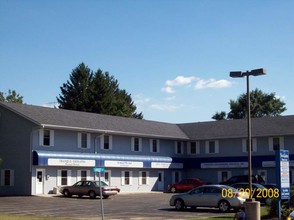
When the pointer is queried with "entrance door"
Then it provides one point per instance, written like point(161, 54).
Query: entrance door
point(160, 181)
point(40, 181)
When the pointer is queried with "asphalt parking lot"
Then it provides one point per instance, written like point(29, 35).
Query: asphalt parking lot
point(134, 206)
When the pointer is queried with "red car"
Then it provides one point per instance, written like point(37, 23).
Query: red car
point(185, 185)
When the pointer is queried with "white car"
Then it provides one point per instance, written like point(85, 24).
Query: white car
point(219, 196)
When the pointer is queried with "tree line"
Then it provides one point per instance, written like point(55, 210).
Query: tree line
point(99, 92)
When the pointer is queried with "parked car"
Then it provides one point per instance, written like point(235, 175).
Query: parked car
point(185, 185)
point(89, 188)
point(209, 196)
point(243, 178)
point(260, 193)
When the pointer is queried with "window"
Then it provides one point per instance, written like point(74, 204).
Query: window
point(176, 176)
point(63, 177)
point(276, 143)
point(83, 175)
point(136, 144)
point(194, 147)
point(211, 147)
point(223, 176)
point(253, 145)
point(46, 137)
point(143, 177)
point(154, 146)
point(126, 178)
point(179, 147)
point(107, 176)
point(84, 140)
point(106, 142)
point(7, 177)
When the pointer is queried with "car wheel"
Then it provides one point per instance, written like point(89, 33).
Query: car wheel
point(105, 197)
point(66, 193)
point(92, 194)
point(224, 206)
point(179, 204)
point(173, 190)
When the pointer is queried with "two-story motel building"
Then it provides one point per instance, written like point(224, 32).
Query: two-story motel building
point(44, 148)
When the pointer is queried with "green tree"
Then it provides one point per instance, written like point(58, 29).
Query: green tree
point(12, 96)
point(261, 105)
point(97, 92)
point(76, 92)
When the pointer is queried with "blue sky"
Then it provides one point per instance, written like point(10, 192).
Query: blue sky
point(173, 57)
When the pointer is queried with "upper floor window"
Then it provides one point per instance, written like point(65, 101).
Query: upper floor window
point(245, 145)
point(46, 137)
point(194, 147)
point(136, 144)
point(154, 146)
point(179, 147)
point(211, 147)
point(276, 143)
point(84, 140)
point(106, 142)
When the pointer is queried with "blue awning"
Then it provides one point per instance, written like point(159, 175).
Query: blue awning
point(53, 158)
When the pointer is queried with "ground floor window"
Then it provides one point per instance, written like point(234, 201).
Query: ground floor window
point(63, 177)
point(143, 177)
point(7, 177)
point(126, 178)
point(84, 175)
point(177, 176)
point(223, 175)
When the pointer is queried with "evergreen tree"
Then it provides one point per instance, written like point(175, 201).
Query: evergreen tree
point(96, 92)
point(11, 97)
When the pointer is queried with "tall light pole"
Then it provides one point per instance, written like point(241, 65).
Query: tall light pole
point(237, 74)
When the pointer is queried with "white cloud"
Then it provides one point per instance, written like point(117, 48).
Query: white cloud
point(168, 89)
point(140, 99)
point(180, 80)
point(212, 83)
point(169, 108)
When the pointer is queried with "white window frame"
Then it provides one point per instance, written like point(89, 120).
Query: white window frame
point(108, 181)
point(177, 147)
point(88, 136)
point(216, 147)
point(102, 142)
point(244, 145)
point(219, 175)
point(157, 146)
point(59, 177)
point(197, 145)
point(271, 142)
point(123, 178)
point(141, 177)
point(174, 176)
point(11, 177)
point(79, 175)
point(51, 138)
point(133, 144)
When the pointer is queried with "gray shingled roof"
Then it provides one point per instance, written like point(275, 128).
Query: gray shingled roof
point(267, 126)
point(50, 117)
point(67, 119)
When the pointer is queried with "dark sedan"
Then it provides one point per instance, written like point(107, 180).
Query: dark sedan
point(89, 188)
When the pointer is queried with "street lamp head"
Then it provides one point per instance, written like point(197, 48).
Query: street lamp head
point(236, 74)
point(258, 72)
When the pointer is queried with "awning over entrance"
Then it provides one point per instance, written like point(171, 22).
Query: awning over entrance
point(53, 158)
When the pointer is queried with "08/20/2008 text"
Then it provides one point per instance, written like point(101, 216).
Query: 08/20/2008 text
point(259, 193)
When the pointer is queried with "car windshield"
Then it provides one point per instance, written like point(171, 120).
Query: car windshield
point(97, 183)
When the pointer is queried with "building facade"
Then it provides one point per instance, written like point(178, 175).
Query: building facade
point(44, 148)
